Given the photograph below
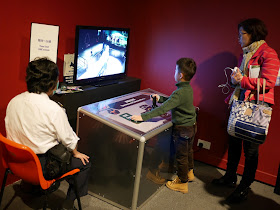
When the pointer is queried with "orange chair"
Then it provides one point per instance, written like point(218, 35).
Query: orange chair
point(24, 163)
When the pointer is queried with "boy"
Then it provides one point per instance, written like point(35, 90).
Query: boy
point(183, 113)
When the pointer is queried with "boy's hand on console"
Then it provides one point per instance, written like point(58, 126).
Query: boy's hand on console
point(155, 95)
point(136, 118)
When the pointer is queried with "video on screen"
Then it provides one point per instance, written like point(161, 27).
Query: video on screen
point(101, 53)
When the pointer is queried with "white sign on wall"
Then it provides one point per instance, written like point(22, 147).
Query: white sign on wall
point(43, 41)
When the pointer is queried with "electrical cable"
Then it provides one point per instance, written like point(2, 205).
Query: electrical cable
point(226, 87)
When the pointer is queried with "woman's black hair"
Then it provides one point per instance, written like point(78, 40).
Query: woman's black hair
point(41, 75)
point(255, 27)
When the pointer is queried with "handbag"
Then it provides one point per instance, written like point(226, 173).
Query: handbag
point(58, 161)
point(249, 121)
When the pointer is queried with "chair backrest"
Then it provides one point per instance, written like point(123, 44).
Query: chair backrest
point(22, 161)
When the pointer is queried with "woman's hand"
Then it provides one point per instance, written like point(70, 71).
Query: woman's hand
point(84, 158)
point(236, 77)
point(137, 118)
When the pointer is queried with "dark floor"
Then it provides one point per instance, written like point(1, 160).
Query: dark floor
point(202, 195)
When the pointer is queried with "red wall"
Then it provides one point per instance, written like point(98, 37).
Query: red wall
point(161, 33)
point(207, 32)
point(15, 24)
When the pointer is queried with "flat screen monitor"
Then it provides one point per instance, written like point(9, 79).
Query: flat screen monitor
point(100, 55)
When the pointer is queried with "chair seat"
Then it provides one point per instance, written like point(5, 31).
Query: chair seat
point(25, 164)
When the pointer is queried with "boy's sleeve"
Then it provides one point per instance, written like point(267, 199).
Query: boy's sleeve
point(162, 99)
point(171, 102)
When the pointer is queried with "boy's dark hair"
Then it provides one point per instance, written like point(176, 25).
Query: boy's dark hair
point(187, 67)
point(41, 75)
point(255, 27)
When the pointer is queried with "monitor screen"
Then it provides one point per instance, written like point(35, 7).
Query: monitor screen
point(100, 54)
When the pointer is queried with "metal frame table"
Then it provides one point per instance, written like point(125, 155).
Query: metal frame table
point(120, 150)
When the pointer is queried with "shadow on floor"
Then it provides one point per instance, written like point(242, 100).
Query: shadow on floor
point(33, 200)
point(254, 201)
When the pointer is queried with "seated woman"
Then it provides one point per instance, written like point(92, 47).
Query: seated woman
point(32, 119)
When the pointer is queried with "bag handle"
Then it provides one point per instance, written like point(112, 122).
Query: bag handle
point(258, 90)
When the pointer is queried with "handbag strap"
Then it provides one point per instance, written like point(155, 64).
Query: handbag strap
point(258, 90)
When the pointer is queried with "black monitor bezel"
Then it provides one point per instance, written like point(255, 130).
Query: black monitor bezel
point(97, 80)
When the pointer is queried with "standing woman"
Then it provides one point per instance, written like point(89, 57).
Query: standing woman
point(258, 61)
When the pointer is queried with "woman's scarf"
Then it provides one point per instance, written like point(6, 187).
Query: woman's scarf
point(248, 52)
